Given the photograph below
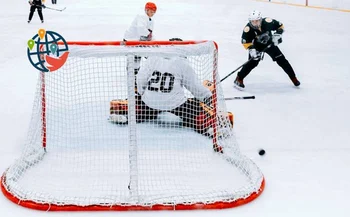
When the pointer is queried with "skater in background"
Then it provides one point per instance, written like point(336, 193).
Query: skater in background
point(257, 35)
point(38, 5)
point(141, 29)
point(54, 2)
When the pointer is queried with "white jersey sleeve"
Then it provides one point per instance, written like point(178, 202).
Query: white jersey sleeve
point(192, 83)
point(140, 26)
point(161, 83)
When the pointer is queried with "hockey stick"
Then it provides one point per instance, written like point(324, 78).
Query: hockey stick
point(262, 52)
point(236, 69)
point(54, 9)
point(240, 97)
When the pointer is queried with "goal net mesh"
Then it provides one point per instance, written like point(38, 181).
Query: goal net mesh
point(75, 155)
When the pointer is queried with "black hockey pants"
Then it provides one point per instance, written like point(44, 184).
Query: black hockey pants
point(275, 53)
point(32, 9)
point(188, 112)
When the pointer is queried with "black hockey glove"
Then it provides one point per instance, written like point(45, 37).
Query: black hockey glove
point(144, 38)
point(279, 31)
point(262, 41)
point(148, 37)
point(43, 6)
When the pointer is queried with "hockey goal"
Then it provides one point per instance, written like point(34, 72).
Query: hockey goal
point(75, 158)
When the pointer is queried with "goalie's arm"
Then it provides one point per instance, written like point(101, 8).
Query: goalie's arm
point(192, 83)
point(142, 78)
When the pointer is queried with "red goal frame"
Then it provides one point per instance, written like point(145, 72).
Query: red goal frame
point(53, 207)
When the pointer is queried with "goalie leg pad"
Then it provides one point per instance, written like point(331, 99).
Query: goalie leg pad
point(119, 109)
point(203, 124)
point(119, 106)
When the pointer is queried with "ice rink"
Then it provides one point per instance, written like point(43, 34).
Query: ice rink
point(305, 130)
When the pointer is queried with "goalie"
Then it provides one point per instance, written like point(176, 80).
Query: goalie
point(161, 82)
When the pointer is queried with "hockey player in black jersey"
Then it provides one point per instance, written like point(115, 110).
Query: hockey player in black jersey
point(263, 34)
point(39, 5)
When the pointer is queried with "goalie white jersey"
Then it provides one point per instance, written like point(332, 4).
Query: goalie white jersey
point(161, 83)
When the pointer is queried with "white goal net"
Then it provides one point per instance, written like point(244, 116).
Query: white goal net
point(97, 143)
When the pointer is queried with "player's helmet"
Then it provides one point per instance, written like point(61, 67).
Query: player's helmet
point(255, 19)
point(151, 6)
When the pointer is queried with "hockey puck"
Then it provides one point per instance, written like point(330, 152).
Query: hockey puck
point(261, 152)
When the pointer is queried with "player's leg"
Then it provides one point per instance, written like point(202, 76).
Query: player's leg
point(276, 55)
point(246, 69)
point(201, 117)
point(188, 112)
point(40, 14)
point(144, 112)
point(194, 115)
point(32, 9)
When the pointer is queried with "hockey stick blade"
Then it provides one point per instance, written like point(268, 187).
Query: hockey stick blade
point(240, 97)
point(56, 9)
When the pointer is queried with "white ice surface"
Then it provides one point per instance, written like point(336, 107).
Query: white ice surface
point(305, 131)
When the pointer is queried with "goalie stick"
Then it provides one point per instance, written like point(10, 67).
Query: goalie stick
point(240, 97)
point(210, 86)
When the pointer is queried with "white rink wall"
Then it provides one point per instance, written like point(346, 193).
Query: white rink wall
point(336, 4)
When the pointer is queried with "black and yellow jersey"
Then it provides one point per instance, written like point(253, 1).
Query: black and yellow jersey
point(267, 25)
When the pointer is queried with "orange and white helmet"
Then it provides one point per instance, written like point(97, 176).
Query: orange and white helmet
point(151, 6)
